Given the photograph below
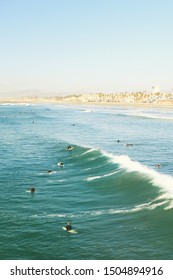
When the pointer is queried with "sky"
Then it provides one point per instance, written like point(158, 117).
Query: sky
point(52, 47)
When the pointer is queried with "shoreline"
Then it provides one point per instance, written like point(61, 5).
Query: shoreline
point(160, 104)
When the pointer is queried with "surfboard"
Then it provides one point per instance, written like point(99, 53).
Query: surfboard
point(70, 231)
point(70, 148)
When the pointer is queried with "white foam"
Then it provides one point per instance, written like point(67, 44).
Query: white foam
point(101, 176)
point(151, 205)
point(57, 215)
point(16, 104)
point(137, 208)
point(152, 116)
point(88, 111)
point(170, 206)
point(164, 181)
point(148, 115)
point(89, 151)
point(89, 168)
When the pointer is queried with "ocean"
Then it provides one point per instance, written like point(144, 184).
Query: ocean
point(115, 187)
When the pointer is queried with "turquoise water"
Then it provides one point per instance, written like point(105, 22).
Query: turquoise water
point(120, 204)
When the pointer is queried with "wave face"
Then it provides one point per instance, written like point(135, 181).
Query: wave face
point(110, 187)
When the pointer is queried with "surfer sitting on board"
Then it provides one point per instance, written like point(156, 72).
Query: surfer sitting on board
point(69, 148)
point(68, 226)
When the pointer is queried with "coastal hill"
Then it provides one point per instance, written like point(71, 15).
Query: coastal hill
point(118, 98)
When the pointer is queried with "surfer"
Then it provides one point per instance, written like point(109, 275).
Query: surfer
point(51, 171)
point(32, 190)
point(128, 145)
point(69, 148)
point(68, 226)
point(157, 165)
point(60, 163)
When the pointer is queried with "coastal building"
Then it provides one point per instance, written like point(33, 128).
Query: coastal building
point(156, 89)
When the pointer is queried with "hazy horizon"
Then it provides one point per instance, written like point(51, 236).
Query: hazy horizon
point(72, 46)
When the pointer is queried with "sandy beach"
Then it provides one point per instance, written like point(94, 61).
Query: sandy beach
point(68, 101)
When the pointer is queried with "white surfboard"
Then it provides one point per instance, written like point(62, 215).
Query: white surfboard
point(70, 148)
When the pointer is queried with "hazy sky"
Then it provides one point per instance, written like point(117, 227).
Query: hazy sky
point(73, 46)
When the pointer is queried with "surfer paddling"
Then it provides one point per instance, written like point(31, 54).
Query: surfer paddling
point(128, 145)
point(51, 172)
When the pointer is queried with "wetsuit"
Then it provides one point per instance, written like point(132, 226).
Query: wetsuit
point(68, 227)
